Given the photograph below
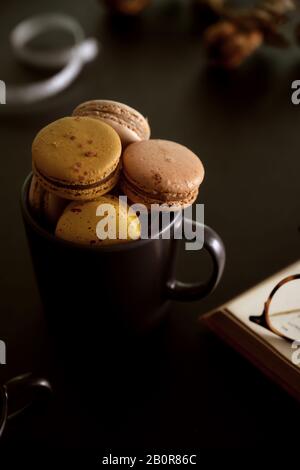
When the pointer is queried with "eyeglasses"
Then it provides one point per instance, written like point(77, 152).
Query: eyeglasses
point(281, 312)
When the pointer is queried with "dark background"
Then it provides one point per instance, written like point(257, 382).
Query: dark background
point(245, 129)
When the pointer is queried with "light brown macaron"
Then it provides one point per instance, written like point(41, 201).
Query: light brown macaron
point(161, 172)
point(46, 207)
point(77, 158)
point(130, 125)
point(103, 222)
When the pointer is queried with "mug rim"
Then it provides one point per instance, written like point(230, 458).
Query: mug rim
point(98, 248)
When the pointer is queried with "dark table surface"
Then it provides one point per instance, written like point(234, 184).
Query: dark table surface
point(246, 131)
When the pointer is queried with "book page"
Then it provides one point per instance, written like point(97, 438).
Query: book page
point(252, 303)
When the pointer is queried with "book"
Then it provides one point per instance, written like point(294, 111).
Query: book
point(275, 356)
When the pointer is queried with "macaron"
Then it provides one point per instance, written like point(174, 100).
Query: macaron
point(106, 221)
point(77, 158)
point(161, 172)
point(130, 125)
point(46, 206)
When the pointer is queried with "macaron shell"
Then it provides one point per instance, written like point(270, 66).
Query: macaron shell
point(130, 125)
point(76, 151)
point(47, 207)
point(79, 222)
point(127, 135)
point(53, 207)
point(35, 196)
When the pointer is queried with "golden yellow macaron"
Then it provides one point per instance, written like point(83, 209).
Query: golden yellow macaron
point(77, 158)
point(103, 222)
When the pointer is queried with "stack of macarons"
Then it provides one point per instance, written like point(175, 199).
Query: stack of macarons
point(100, 152)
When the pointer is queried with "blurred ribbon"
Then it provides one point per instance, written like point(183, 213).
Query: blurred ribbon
point(71, 59)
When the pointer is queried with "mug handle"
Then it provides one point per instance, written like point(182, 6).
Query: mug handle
point(32, 388)
point(3, 411)
point(183, 291)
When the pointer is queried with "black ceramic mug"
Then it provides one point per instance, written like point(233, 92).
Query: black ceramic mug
point(124, 287)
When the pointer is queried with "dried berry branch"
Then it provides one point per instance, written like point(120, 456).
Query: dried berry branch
point(239, 32)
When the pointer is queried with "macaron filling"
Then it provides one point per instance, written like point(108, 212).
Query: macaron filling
point(76, 186)
point(152, 197)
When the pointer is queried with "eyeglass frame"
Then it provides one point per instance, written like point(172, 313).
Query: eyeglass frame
point(263, 319)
